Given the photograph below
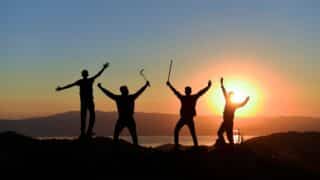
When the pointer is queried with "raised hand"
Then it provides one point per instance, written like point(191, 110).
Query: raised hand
point(209, 83)
point(106, 65)
point(58, 88)
point(221, 80)
point(148, 83)
point(168, 83)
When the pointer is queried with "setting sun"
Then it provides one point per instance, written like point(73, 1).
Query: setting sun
point(238, 96)
point(241, 89)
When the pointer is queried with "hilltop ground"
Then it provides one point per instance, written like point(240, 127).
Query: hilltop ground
point(278, 155)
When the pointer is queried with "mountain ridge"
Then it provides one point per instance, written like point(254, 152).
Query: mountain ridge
point(154, 124)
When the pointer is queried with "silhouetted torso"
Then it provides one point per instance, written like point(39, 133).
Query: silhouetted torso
point(229, 110)
point(86, 89)
point(125, 105)
point(188, 106)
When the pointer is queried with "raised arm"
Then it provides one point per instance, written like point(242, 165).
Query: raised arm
point(101, 71)
point(223, 89)
point(141, 90)
point(174, 90)
point(107, 92)
point(67, 86)
point(204, 90)
point(243, 103)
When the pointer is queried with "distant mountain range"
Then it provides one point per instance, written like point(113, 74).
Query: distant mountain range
point(154, 124)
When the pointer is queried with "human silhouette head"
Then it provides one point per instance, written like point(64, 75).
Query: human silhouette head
point(230, 94)
point(188, 90)
point(85, 74)
point(124, 90)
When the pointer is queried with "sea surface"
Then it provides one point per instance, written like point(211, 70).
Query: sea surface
point(154, 141)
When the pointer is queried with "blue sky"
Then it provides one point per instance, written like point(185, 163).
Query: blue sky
point(46, 43)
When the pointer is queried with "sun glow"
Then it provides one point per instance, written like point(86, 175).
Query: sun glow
point(241, 89)
point(238, 95)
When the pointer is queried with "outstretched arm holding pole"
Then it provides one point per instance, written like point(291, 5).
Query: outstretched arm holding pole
point(141, 90)
point(174, 90)
point(169, 84)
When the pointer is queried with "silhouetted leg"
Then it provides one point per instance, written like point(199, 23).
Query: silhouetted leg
point(229, 129)
point(133, 131)
point(221, 130)
point(177, 129)
point(118, 128)
point(92, 119)
point(83, 118)
point(193, 132)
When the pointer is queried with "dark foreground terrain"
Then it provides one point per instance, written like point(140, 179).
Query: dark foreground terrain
point(279, 155)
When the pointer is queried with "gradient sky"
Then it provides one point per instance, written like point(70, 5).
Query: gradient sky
point(272, 44)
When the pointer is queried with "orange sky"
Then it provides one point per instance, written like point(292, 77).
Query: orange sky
point(270, 92)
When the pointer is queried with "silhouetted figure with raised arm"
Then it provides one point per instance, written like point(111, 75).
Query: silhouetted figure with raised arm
point(125, 105)
point(86, 99)
point(228, 115)
point(187, 111)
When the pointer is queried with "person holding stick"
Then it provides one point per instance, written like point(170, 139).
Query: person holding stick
point(86, 99)
point(187, 110)
point(125, 105)
point(142, 75)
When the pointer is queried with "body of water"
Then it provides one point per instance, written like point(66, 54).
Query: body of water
point(154, 141)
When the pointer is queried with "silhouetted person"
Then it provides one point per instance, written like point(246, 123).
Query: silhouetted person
point(86, 99)
point(125, 105)
point(187, 111)
point(228, 115)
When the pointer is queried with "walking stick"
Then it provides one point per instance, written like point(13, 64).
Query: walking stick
point(170, 68)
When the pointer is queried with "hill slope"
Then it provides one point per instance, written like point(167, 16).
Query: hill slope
point(262, 157)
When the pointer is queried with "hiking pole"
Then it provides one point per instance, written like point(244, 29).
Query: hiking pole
point(170, 68)
point(143, 76)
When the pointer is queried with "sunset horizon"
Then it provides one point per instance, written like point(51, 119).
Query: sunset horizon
point(142, 89)
point(265, 50)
